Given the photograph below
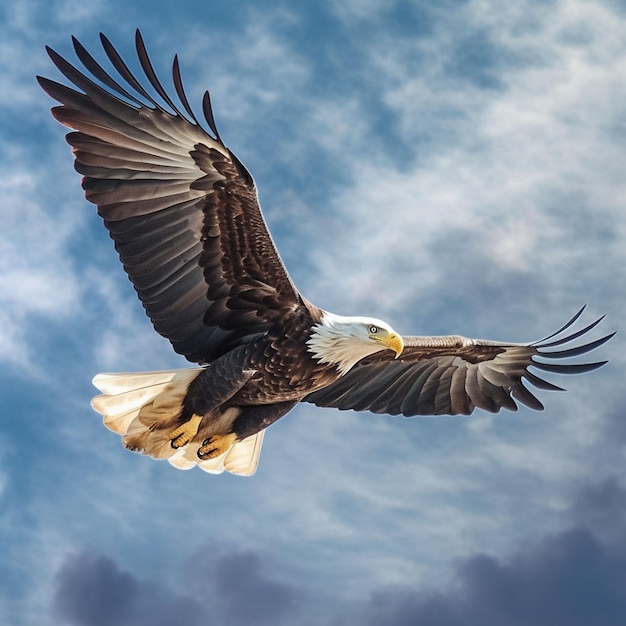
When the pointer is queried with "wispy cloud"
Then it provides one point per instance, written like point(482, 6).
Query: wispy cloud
point(221, 586)
point(574, 576)
point(37, 278)
point(460, 172)
point(516, 169)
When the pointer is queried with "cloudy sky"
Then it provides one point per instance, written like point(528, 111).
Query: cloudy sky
point(451, 167)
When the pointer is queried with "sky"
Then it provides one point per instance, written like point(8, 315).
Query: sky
point(453, 168)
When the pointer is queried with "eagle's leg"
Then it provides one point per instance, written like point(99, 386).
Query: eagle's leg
point(182, 435)
point(216, 445)
point(207, 391)
point(250, 421)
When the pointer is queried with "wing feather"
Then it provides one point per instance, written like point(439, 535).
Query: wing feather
point(460, 401)
point(181, 208)
point(453, 375)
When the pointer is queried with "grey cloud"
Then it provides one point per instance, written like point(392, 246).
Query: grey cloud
point(241, 589)
point(615, 425)
point(92, 590)
point(571, 578)
point(602, 508)
point(575, 577)
point(475, 58)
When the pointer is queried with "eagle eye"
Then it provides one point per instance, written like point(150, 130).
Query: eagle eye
point(373, 330)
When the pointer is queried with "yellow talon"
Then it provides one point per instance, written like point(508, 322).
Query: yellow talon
point(216, 445)
point(185, 432)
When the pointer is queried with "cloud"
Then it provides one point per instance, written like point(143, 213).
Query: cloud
point(602, 507)
point(227, 588)
point(576, 576)
point(519, 179)
point(33, 286)
point(570, 578)
point(260, 79)
point(240, 589)
point(93, 591)
point(70, 13)
point(399, 181)
point(44, 285)
point(363, 10)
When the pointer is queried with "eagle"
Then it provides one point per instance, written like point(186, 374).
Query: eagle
point(185, 219)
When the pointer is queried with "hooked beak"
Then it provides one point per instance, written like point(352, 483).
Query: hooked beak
point(394, 342)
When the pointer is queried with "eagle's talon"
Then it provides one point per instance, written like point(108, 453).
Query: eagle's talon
point(185, 432)
point(206, 453)
point(216, 446)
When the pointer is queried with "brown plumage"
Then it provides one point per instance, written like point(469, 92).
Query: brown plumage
point(184, 216)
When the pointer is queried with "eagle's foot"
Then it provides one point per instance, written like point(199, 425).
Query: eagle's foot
point(185, 432)
point(216, 445)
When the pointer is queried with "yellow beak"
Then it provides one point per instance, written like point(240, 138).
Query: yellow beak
point(394, 342)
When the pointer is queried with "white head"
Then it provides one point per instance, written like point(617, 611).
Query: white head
point(343, 341)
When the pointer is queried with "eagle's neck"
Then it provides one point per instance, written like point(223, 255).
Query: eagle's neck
point(339, 341)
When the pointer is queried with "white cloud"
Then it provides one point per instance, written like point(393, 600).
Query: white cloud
point(518, 169)
point(22, 54)
point(249, 83)
point(123, 338)
point(69, 13)
point(349, 12)
point(353, 497)
point(37, 277)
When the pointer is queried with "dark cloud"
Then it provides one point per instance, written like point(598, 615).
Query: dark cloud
point(602, 507)
point(571, 578)
point(576, 577)
point(92, 590)
point(615, 426)
point(241, 588)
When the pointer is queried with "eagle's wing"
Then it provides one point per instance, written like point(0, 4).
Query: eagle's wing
point(453, 375)
point(180, 207)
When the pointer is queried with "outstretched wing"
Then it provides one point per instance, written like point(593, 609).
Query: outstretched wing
point(454, 375)
point(180, 207)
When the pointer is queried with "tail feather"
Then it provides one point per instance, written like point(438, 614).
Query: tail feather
point(242, 458)
point(126, 404)
point(124, 395)
point(118, 423)
point(113, 384)
point(144, 407)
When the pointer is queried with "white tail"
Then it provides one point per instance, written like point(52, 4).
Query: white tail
point(158, 396)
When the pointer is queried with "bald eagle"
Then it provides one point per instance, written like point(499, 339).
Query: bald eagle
point(183, 213)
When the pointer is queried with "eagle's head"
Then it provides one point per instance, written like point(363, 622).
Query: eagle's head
point(343, 341)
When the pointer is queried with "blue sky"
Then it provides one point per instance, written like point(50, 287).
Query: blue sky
point(450, 167)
